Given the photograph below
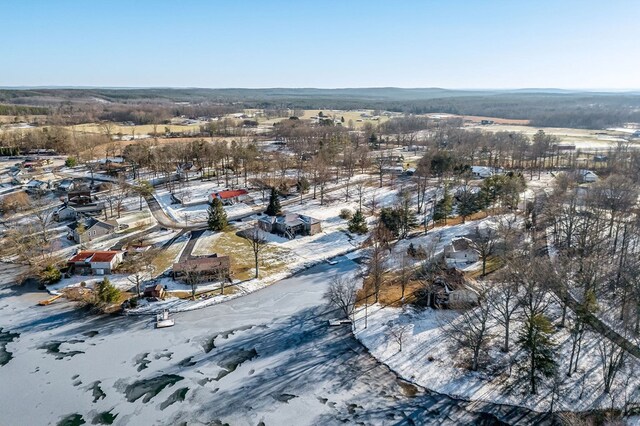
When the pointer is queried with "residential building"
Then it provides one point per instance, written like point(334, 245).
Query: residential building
point(89, 228)
point(202, 269)
point(587, 176)
point(230, 197)
point(460, 251)
point(290, 225)
point(95, 262)
point(35, 186)
point(483, 172)
point(66, 185)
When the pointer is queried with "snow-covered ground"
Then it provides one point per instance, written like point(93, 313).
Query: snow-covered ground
point(269, 357)
point(294, 255)
point(429, 359)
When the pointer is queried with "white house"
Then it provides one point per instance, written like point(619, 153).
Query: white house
point(587, 176)
point(460, 250)
point(96, 262)
point(482, 171)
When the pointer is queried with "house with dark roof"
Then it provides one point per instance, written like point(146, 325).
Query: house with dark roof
point(290, 225)
point(35, 186)
point(229, 197)
point(89, 228)
point(95, 262)
point(66, 185)
point(202, 269)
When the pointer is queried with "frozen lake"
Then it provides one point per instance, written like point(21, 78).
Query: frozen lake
point(266, 358)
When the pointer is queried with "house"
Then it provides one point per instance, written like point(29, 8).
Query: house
point(32, 164)
point(482, 172)
point(202, 269)
point(19, 177)
point(397, 170)
point(66, 185)
point(65, 212)
point(188, 170)
point(156, 290)
point(290, 225)
point(229, 197)
point(410, 171)
point(79, 197)
point(460, 250)
point(587, 176)
point(95, 262)
point(89, 228)
point(446, 292)
point(35, 186)
point(110, 160)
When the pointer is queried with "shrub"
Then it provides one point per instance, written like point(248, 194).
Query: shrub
point(71, 162)
point(15, 202)
point(106, 293)
point(358, 224)
point(50, 275)
point(345, 214)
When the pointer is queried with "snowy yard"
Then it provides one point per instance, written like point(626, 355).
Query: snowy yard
point(429, 359)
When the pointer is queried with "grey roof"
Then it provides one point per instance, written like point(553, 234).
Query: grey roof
point(89, 222)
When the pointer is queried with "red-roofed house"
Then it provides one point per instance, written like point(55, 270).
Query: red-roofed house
point(230, 196)
point(95, 262)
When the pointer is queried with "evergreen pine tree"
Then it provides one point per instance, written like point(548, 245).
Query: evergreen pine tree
point(443, 207)
point(535, 339)
point(217, 217)
point(357, 224)
point(467, 205)
point(273, 209)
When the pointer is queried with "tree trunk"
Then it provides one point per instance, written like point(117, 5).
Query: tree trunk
point(256, 258)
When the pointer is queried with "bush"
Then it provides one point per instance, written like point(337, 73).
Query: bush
point(345, 214)
point(106, 293)
point(15, 202)
point(50, 275)
point(70, 162)
point(358, 224)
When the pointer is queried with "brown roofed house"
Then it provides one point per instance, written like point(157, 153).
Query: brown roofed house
point(202, 269)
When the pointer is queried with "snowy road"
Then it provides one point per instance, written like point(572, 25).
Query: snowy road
point(267, 357)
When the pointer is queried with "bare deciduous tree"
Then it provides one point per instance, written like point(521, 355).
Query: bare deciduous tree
point(613, 359)
point(341, 294)
point(397, 333)
point(504, 304)
point(472, 330)
point(257, 240)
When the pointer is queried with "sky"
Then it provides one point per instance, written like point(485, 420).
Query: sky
point(455, 44)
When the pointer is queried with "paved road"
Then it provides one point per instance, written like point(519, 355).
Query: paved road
point(267, 357)
point(168, 222)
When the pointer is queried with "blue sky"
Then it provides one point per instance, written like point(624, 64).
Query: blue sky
point(329, 43)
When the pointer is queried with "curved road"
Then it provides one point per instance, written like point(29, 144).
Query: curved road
point(267, 358)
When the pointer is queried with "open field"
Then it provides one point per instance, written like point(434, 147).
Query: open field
point(583, 139)
point(138, 130)
point(511, 121)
